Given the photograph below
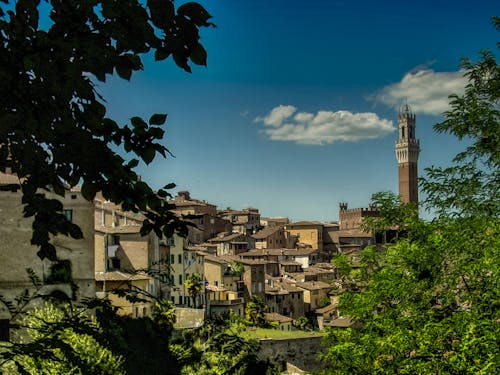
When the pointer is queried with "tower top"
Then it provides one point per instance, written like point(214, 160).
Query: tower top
point(405, 109)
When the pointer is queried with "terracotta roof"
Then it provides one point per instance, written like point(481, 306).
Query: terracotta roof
point(342, 322)
point(290, 263)
point(296, 252)
point(305, 223)
point(120, 276)
point(226, 238)
point(216, 288)
point(123, 229)
point(266, 232)
point(275, 317)
point(334, 305)
point(250, 262)
point(313, 285)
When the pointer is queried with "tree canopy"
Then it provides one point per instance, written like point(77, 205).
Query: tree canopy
point(54, 129)
point(430, 301)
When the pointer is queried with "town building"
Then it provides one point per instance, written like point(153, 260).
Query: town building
point(274, 237)
point(246, 221)
point(207, 224)
point(232, 243)
point(307, 232)
point(72, 275)
point(225, 286)
point(124, 259)
point(407, 152)
point(183, 261)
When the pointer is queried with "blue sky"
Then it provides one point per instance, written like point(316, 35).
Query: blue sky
point(297, 109)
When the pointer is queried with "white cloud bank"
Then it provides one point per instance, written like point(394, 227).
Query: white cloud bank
point(425, 90)
point(284, 123)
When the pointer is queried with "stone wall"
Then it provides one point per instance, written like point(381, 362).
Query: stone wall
point(300, 352)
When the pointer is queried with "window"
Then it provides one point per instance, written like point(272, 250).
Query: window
point(144, 311)
point(172, 258)
point(114, 263)
point(68, 214)
point(73, 196)
point(179, 258)
point(4, 330)
point(180, 280)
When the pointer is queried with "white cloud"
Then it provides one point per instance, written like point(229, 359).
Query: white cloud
point(425, 90)
point(324, 127)
point(277, 115)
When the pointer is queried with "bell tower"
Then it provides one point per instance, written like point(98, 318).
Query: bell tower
point(407, 151)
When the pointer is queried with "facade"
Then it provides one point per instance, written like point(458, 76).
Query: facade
point(202, 214)
point(232, 243)
point(184, 261)
point(245, 221)
point(123, 258)
point(314, 293)
point(407, 151)
point(76, 257)
point(284, 297)
point(307, 232)
point(225, 286)
point(254, 278)
point(273, 237)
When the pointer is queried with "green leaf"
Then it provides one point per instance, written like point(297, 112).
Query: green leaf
point(148, 155)
point(133, 163)
point(75, 231)
point(138, 122)
point(47, 251)
point(196, 13)
point(123, 69)
point(157, 119)
point(89, 190)
point(199, 55)
point(161, 54)
point(162, 12)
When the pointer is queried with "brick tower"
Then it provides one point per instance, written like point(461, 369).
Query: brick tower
point(407, 150)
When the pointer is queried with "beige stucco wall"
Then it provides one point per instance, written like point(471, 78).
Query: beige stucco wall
point(17, 253)
point(308, 234)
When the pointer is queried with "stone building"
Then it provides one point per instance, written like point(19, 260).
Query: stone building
point(246, 221)
point(183, 261)
point(307, 232)
point(407, 151)
point(225, 285)
point(203, 215)
point(273, 237)
point(75, 257)
point(124, 259)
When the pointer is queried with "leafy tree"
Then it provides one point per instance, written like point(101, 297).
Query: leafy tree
point(164, 315)
point(219, 347)
point(194, 286)
point(54, 132)
point(430, 302)
point(303, 323)
point(254, 311)
point(60, 340)
point(470, 185)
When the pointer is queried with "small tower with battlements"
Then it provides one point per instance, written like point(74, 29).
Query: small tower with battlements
point(407, 151)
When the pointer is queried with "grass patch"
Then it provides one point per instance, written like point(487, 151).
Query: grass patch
point(269, 333)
